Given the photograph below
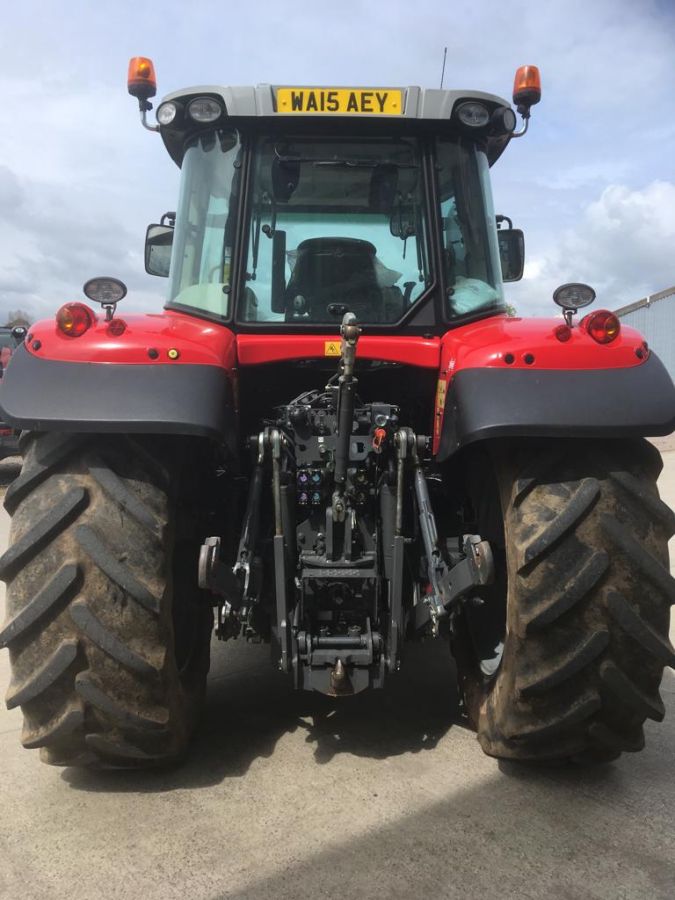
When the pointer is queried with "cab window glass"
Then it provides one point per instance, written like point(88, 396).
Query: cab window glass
point(205, 223)
point(471, 255)
point(336, 226)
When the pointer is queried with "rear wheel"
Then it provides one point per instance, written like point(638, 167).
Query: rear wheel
point(587, 596)
point(109, 642)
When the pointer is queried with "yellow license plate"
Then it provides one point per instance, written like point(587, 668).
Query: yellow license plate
point(340, 101)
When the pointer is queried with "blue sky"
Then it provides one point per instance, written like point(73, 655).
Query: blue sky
point(592, 184)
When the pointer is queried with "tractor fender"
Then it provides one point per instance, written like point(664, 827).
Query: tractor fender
point(512, 378)
point(166, 375)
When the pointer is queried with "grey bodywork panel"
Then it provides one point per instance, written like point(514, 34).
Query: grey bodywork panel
point(259, 102)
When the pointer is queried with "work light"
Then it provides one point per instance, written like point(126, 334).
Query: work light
point(204, 110)
point(166, 113)
point(473, 114)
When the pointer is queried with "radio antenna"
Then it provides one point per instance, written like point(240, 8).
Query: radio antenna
point(445, 56)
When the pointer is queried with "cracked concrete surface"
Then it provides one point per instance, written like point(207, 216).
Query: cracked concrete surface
point(288, 796)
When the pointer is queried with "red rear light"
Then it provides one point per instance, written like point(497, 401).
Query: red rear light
point(603, 326)
point(563, 332)
point(74, 319)
point(116, 327)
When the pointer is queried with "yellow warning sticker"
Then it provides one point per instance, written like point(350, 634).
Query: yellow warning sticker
point(331, 348)
point(441, 389)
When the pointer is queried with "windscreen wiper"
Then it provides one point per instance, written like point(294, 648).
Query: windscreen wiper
point(354, 162)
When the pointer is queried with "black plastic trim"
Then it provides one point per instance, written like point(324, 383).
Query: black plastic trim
point(486, 403)
point(51, 395)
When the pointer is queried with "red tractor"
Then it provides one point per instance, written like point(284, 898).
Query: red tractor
point(335, 439)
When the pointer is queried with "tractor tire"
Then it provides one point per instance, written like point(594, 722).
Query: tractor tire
point(588, 594)
point(102, 675)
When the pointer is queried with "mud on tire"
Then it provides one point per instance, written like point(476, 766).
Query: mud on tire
point(589, 594)
point(101, 674)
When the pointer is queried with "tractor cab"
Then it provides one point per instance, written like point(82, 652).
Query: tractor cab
point(298, 205)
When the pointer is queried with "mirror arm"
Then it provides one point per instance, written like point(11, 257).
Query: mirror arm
point(526, 122)
point(144, 106)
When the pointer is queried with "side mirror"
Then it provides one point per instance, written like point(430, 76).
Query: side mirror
point(402, 221)
point(158, 243)
point(511, 253)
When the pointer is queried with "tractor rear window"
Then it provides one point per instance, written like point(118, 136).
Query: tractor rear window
point(336, 225)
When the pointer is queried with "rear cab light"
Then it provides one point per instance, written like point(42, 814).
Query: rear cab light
point(602, 325)
point(73, 319)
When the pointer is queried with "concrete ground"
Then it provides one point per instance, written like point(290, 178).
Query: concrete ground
point(288, 796)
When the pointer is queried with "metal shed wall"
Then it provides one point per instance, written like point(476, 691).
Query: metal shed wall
point(654, 317)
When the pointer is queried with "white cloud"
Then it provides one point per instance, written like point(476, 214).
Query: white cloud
point(623, 246)
point(626, 241)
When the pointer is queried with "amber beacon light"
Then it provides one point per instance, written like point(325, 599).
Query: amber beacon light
point(141, 81)
point(526, 88)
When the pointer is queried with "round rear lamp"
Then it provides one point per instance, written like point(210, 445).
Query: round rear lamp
point(473, 114)
point(74, 319)
point(563, 333)
point(166, 113)
point(503, 120)
point(603, 326)
point(116, 327)
point(204, 110)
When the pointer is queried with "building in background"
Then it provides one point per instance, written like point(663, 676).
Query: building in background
point(654, 317)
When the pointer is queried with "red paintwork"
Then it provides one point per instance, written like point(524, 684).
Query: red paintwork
point(254, 349)
point(207, 343)
point(488, 342)
point(482, 343)
point(197, 340)
point(485, 343)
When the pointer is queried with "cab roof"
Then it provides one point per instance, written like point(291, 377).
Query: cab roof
point(319, 102)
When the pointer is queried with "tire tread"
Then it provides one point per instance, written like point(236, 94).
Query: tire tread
point(91, 645)
point(583, 658)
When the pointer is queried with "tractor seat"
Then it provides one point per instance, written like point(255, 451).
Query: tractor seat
point(333, 275)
